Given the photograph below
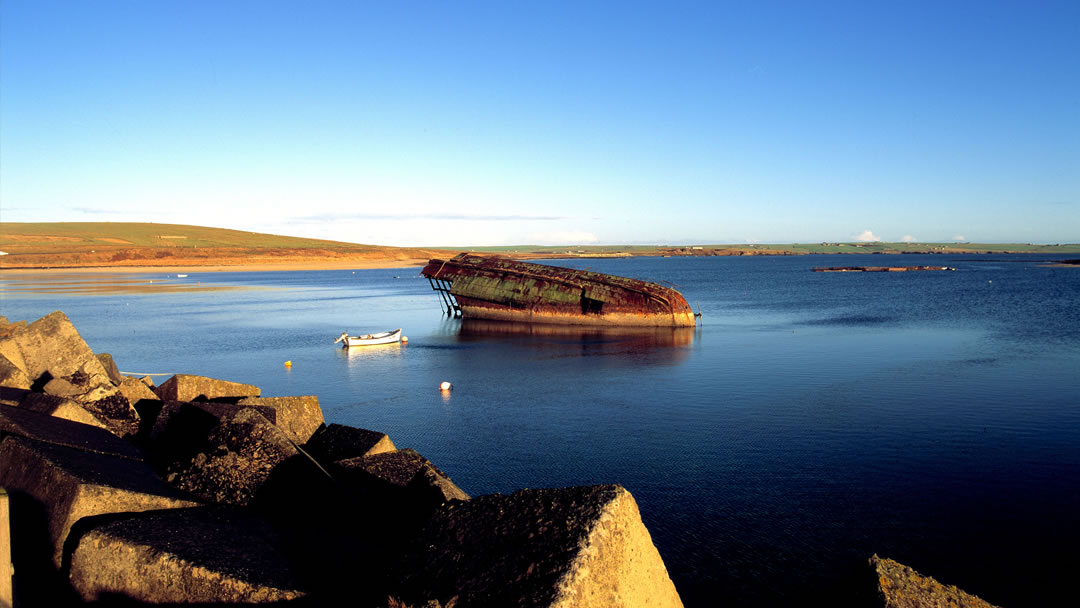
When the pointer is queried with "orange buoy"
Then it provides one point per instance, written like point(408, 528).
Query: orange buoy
point(445, 386)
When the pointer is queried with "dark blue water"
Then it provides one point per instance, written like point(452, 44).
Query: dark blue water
point(812, 420)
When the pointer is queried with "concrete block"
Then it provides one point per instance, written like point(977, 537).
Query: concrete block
point(299, 417)
point(245, 450)
point(109, 365)
point(7, 592)
point(68, 484)
point(112, 412)
point(178, 430)
point(60, 407)
point(339, 442)
point(135, 391)
point(402, 470)
point(12, 376)
point(581, 547)
point(22, 422)
point(185, 387)
point(901, 587)
point(58, 387)
point(183, 556)
point(51, 344)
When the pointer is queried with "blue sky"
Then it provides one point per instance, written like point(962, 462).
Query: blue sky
point(465, 123)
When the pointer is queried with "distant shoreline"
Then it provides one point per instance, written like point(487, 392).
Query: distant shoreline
point(225, 267)
point(374, 264)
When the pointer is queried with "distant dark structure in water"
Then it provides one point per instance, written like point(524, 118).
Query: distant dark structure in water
point(501, 289)
point(877, 268)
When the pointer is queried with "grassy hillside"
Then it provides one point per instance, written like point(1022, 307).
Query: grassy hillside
point(109, 244)
point(66, 235)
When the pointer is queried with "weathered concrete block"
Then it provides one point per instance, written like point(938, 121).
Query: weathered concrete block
point(402, 485)
point(901, 587)
point(7, 591)
point(58, 387)
point(299, 417)
point(198, 555)
point(22, 422)
point(134, 390)
point(59, 407)
point(246, 449)
point(582, 546)
point(109, 365)
point(185, 387)
point(178, 430)
point(69, 484)
point(113, 412)
point(12, 396)
point(11, 375)
point(51, 344)
point(9, 349)
point(339, 442)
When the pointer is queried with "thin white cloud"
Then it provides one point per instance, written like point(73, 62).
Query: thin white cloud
point(959, 237)
point(867, 236)
point(907, 238)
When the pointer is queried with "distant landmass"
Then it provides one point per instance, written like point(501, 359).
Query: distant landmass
point(117, 245)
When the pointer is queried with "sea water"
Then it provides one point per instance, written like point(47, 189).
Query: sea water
point(810, 421)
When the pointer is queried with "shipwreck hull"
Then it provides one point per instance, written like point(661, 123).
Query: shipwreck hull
point(506, 290)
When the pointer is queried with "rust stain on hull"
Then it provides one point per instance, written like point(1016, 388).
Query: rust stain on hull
point(502, 289)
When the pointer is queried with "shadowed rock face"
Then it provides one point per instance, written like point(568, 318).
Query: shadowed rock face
point(338, 442)
point(401, 476)
point(70, 484)
point(582, 546)
point(901, 587)
point(245, 450)
point(183, 556)
point(22, 422)
point(354, 523)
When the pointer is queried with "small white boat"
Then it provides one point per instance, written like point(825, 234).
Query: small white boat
point(385, 337)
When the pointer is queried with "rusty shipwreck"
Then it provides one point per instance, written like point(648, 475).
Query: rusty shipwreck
point(497, 288)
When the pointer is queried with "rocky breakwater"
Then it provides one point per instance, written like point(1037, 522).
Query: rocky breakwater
point(202, 491)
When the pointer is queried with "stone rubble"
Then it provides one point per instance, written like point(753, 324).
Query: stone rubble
point(202, 491)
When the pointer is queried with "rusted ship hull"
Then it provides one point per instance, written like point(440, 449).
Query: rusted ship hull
point(879, 268)
point(506, 290)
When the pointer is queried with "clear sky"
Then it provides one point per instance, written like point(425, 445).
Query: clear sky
point(463, 123)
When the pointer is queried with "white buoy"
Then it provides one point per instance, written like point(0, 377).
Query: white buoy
point(445, 386)
point(404, 339)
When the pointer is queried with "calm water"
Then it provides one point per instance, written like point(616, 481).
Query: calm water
point(812, 420)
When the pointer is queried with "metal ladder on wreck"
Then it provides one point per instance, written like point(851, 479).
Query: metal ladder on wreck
point(450, 305)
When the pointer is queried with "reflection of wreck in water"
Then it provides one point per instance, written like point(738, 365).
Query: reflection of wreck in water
point(618, 346)
point(639, 335)
point(502, 289)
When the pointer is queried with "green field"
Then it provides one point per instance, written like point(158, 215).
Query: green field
point(61, 235)
point(70, 236)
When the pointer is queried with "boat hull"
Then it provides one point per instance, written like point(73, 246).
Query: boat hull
point(389, 337)
point(507, 290)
